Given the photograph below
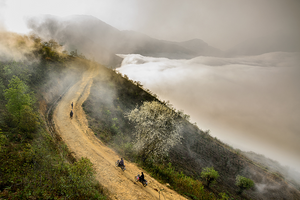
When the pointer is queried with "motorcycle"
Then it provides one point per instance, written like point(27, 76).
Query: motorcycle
point(144, 182)
point(121, 166)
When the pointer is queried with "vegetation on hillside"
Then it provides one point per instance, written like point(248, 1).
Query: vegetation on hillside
point(209, 175)
point(156, 130)
point(243, 183)
point(33, 163)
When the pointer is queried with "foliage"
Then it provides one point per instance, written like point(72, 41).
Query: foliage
point(40, 171)
point(209, 175)
point(178, 181)
point(18, 97)
point(224, 196)
point(243, 183)
point(157, 129)
point(28, 119)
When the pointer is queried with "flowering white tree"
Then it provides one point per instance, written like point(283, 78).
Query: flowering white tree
point(157, 129)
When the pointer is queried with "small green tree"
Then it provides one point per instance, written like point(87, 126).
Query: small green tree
point(157, 129)
point(18, 97)
point(243, 183)
point(210, 175)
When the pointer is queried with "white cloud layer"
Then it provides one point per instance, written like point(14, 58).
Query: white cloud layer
point(252, 103)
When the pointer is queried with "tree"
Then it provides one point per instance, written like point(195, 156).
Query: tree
point(156, 129)
point(210, 175)
point(243, 183)
point(18, 97)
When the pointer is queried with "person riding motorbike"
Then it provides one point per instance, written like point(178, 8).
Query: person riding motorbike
point(121, 163)
point(142, 178)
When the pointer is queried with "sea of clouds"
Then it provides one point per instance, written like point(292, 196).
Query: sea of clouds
point(251, 103)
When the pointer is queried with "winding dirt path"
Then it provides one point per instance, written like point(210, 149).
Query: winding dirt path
point(83, 143)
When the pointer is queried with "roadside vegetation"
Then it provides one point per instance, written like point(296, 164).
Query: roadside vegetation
point(34, 163)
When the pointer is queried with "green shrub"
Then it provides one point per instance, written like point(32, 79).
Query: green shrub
point(209, 175)
point(243, 183)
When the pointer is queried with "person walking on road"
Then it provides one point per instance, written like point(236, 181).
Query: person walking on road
point(72, 105)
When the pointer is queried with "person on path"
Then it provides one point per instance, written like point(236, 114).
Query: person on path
point(71, 114)
point(72, 105)
point(142, 177)
point(121, 163)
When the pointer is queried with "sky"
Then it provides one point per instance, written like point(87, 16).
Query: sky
point(222, 24)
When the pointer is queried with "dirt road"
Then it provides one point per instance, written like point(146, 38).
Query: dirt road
point(83, 143)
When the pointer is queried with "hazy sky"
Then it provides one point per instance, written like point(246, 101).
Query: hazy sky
point(220, 23)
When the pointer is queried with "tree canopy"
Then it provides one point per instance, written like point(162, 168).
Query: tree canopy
point(18, 97)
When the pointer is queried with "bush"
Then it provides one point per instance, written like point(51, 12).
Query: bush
point(243, 183)
point(210, 175)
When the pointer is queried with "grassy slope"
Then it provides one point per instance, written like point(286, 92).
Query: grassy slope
point(113, 95)
point(33, 163)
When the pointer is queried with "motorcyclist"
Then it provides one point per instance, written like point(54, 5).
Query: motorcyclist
point(142, 178)
point(71, 114)
point(121, 163)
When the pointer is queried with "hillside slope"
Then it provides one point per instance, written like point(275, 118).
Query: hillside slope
point(83, 143)
point(113, 95)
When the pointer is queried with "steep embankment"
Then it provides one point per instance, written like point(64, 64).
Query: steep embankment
point(82, 143)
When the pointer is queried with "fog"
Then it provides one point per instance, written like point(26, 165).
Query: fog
point(251, 103)
point(222, 24)
point(15, 47)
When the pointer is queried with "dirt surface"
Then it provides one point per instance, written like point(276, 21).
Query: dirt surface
point(83, 143)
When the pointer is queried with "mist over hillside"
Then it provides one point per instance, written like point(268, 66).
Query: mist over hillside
point(100, 41)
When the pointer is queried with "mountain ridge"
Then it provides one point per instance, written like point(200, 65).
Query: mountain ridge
point(102, 41)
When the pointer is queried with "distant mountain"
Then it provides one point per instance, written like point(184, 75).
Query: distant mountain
point(201, 48)
point(267, 44)
point(101, 42)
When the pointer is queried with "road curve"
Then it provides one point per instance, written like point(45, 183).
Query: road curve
point(82, 143)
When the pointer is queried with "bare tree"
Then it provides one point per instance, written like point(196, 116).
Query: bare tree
point(157, 129)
